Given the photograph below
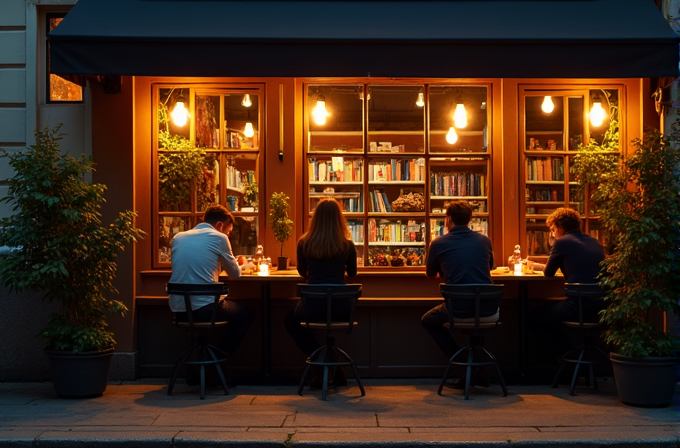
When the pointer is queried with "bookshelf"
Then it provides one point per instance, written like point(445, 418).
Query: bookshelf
point(388, 162)
point(548, 142)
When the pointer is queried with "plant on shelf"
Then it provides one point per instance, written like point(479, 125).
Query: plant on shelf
point(60, 245)
point(179, 164)
point(640, 208)
point(596, 160)
point(282, 225)
point(251, 193)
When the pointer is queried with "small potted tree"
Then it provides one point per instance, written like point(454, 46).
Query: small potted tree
point(639, 203)
point(61, 247)
point(282, 225)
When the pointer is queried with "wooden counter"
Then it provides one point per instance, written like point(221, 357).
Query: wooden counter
point(388, 341)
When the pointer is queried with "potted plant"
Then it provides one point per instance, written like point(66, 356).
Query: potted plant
point(251, 193)
point(282, 225)
point(639, 203)
point(61, 247)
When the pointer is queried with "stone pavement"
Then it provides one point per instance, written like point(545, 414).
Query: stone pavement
point(394, 413)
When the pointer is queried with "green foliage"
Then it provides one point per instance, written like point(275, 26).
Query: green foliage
point(594, 161)
point(178, 166)
point(251, 193)
point(640, 207)
point(59, 244)
point(282, 225)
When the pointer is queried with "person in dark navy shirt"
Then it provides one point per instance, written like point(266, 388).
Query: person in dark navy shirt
point(578, 256)
point(461, 256)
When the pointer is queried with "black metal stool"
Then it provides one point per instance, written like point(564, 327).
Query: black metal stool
point(329, 355)
point(459, 297)
point(201, 353)
point(586, 353)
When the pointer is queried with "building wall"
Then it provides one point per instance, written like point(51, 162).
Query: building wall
point(23, 109)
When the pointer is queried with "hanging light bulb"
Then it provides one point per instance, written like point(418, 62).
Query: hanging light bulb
point(451, 136)
point(597, 113)
point(320, 113)
point(548, 105)
point(248, 131)
point(246, 102)
point(460, 115)
point(180, 114)
point(420, 102)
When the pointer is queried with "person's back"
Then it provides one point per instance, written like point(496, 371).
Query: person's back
point(461, 256)
point(198, 256)
point(578, 256)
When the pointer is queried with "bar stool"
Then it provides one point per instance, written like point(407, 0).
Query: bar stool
point(486, 299)
point(586, 353)
point(201, 353)
point(342, 297)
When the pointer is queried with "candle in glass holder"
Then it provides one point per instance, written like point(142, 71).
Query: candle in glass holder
point(518, 268)
point(264, 269)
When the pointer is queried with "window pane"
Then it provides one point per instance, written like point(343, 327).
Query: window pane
point(396, 123)
point(59, 88)
point(468, 131)
point(169, 226)
point(242, 126)
point(338, 125)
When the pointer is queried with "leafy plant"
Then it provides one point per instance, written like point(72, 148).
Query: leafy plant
point(251, 193)
point(178, 166)
point(282, 225)
point(640, 207)
point(596, 159)
point(60, 245)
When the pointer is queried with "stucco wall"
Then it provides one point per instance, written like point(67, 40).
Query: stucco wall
point(21, 352)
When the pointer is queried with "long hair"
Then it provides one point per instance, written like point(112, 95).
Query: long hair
point(328, 234)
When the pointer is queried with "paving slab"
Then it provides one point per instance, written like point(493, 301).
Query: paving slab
point(393, 414)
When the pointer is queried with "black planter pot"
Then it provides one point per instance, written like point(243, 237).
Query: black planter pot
point(282, 263)
point(79, 375)
point(645, 382)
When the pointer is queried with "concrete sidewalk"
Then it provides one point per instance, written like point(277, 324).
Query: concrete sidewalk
point(399, 413)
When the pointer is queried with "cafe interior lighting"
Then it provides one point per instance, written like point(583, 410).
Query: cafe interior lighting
point(460, 115)
point(548, 106)
point(319, 113)
point(597, 113)
point(248, 131)
point(420, 102)
point(246, 102)
point(451, 136)
point(180, 114)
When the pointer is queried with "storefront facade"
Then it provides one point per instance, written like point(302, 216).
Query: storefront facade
point(391, 149)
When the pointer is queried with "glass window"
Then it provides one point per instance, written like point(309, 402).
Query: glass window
point(59, 89)
point(207, 153)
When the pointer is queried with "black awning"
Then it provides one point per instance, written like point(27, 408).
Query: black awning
point(476, 38)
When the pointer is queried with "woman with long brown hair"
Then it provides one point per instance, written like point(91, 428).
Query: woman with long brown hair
point(325, 254)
